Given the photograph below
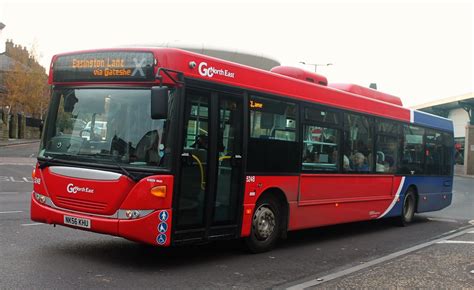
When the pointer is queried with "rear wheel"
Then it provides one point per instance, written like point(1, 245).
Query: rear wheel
point(408, 211)
point(266, 225)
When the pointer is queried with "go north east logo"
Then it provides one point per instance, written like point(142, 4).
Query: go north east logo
point(210, 71)
point(75, 189)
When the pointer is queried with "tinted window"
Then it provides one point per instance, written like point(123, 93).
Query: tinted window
point(322, 116)
point(272, 143)
point(448, 154)
point(434, 158)
point(358, 143)
point(320, 148)
point(412, 155)
point(387, 146)
point(197, 126)
point(272, 119)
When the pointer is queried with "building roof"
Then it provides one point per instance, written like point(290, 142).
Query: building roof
point(446, 103)
point(248, 58)
point(7, 63)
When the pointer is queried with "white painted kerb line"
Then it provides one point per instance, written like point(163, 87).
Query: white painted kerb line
point(12, 211)
point(33, 224)
point(348, 271)
point(443, 220)
point(455, 242)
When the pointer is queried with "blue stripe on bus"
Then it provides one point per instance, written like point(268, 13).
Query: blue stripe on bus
point(434, 193)
point(432, 121)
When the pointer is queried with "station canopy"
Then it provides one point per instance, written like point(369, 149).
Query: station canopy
point(442, 107)
point(253, 59)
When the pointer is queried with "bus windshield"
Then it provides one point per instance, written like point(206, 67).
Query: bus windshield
point(110, 126)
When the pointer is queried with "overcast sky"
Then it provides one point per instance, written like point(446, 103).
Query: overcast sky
point(420, 51)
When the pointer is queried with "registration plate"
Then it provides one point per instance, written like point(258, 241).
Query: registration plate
point(77, 222)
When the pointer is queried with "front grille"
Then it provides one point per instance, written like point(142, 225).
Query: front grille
point(80, 204)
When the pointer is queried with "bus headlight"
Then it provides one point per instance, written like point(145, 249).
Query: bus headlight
point(132, 214)
point(40, 198)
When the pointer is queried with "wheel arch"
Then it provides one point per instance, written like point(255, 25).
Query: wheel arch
point(415, 192)
point(279, 195)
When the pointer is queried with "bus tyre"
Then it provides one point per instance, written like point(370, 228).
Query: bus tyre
point(408, 210)
point(266, 225)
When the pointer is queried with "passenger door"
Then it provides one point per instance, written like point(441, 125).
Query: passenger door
point(209, 196)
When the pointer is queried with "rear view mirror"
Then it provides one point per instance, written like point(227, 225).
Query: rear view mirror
point(159, 103)
point(70, 101)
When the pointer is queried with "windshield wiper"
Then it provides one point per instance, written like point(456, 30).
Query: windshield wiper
point(46, 162)
point(50, 158)
point(125, 172)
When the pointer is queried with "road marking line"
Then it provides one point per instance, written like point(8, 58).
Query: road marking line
point(12, 211)
point(388, 257)
point(33, 224)
point(17, 164)
point(443, 220)
point(471, 232)
point(455, 242)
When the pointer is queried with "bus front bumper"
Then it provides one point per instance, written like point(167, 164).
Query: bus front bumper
point(153, 227)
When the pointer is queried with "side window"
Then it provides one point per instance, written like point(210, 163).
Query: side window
point(322, 116)
point(433, 152)
point(358, 144)
point(272, 119)
point(387, 146)
point(320, 140)
point(320, 148)
point(448, 154)
point(412, 155)
point(273, 131)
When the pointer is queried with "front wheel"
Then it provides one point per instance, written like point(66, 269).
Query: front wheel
point(266, 225)
point(408, 211)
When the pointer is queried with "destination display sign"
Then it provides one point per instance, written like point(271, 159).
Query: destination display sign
point(104, 67)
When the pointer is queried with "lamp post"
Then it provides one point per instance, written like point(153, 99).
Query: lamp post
point(316, 64)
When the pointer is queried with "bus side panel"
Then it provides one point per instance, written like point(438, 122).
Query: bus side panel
point(434, 192)
point(256, 185)
point(337, 198)
point(317, 188)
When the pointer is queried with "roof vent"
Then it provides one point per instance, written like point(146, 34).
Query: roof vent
point(300, 74)
point(368, 93)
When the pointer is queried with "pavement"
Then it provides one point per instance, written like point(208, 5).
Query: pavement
point(11, 142)
point(459, 171)
point(446, 262)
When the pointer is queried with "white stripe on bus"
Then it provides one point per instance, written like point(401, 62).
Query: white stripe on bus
point(395, 198)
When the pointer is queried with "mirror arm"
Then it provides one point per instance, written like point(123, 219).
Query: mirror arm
point(167, 71)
